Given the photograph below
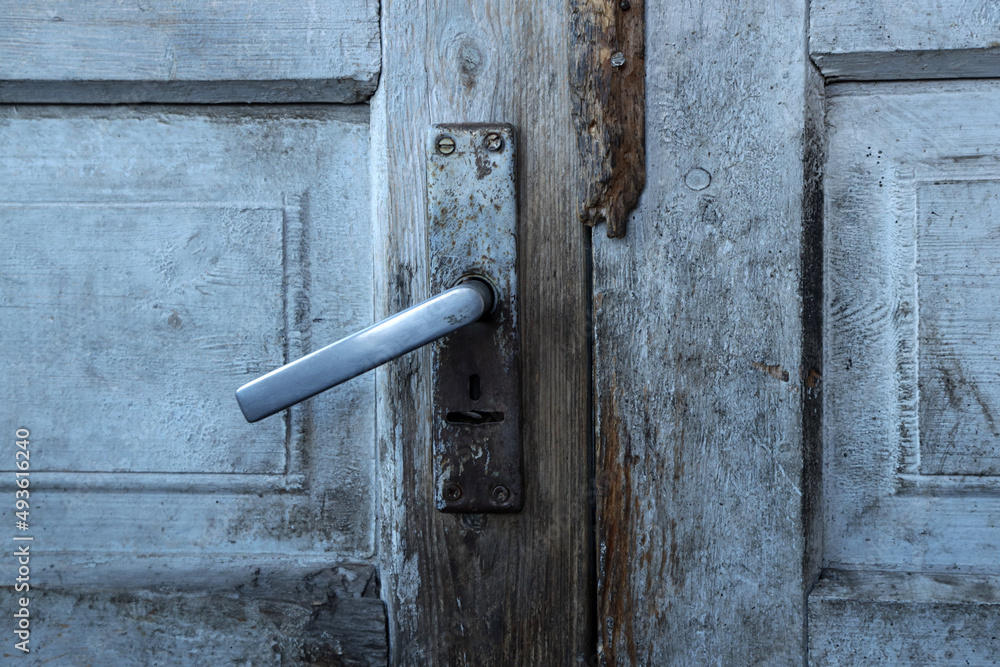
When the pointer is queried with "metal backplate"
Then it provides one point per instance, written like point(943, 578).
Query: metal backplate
point(472, 222)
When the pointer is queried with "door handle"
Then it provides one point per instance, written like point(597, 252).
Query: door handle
point(469, 301)
point(474, 373)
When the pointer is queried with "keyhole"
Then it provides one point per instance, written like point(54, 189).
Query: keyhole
point(475, 390)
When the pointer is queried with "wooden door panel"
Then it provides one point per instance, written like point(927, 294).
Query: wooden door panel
point(958, 334)
point(155, 259)
point(912, 366)
point(904, 618)
point(878, 40)
point(706, 348)
point(132, 294)
point(492, 589)
point(912, 363)
point(911, 371)
point(265, 615)
point(189, 51)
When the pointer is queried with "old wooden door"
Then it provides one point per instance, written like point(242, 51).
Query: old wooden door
point(788, 448)
point(795, 343)
point(911, 507)
point(164, 241)
point(195, 193)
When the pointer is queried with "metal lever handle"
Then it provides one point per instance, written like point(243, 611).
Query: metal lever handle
point(358, 353)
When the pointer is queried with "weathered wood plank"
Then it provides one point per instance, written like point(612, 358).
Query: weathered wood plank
point(873, 40)
point(331, 616)
point(186, 50)
point(486, 589)
point(883, 618)
point(704, 359)
point(608, 79)
point(156, 259)
point(912, 180)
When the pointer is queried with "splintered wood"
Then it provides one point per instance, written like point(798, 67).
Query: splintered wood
point(609, 90)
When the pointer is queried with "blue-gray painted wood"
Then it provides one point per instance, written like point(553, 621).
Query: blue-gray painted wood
point(910, 473)
point(911, 486)
point(330, 615)
point(155, 259)
point(189, 51)
point(902, 618)
point(872, 40)
point(706, 364)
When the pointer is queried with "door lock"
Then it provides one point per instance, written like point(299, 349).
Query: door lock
point(475, 368)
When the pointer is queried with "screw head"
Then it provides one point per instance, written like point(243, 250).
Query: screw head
point(617, 59)
point(624, 4)
point(494, 141)
point(501, 494)
point(452, 492)
point(445, 145)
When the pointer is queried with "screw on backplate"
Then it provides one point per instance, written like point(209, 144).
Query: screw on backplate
point(446, 146)
point(617, 59)
point(501, 494)
point(452, 492)
point(624, 4)
point(494, 141)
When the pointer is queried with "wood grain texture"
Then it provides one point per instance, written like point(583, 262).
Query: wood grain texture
point(911, 184)
point(958, 288)
point(893, 618)
point(883, 39)
point(608, 79)
point(486, 589)
point(185, 50)
point(157, 258)
point(330, 616)
point(703, 360)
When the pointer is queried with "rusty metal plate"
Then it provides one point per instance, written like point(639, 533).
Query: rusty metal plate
point(472, 222)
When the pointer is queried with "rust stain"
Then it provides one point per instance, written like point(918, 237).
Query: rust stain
point(813, 378)
point(615, 518)
point(674, 557)
point(774, 370)
point(484, 165)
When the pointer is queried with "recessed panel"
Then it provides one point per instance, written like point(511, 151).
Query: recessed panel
point(156, 258)
point(128, 323)
point(911, 378)
point(958, 286)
